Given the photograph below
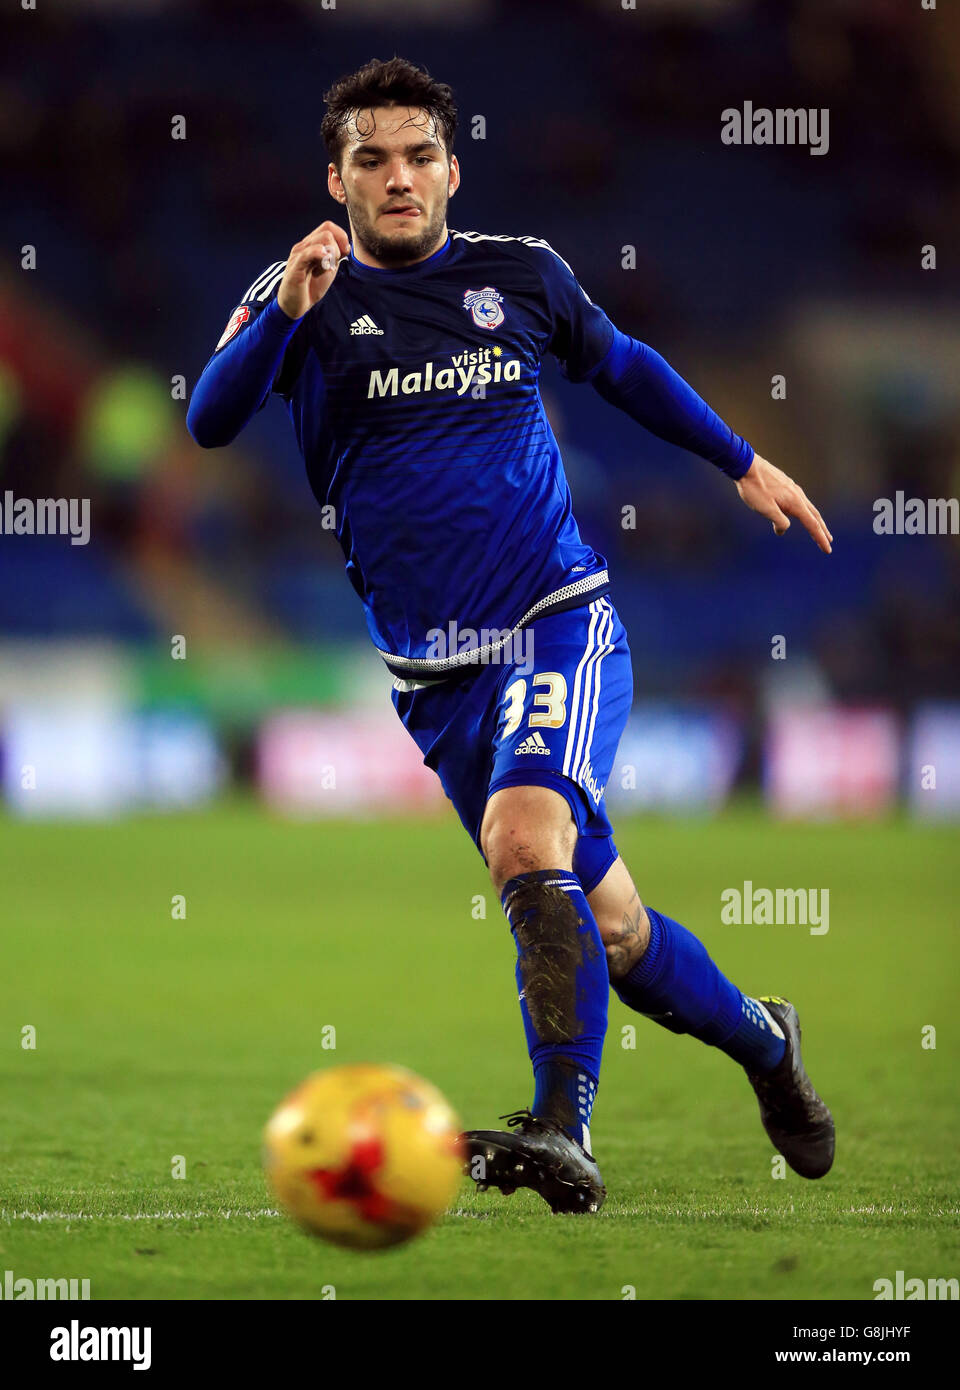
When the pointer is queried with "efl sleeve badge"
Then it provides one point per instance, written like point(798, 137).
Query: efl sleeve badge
point(236, 321)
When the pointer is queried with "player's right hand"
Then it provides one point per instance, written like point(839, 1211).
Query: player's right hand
point(311, 267)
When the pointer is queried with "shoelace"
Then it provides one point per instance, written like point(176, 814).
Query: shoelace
point(520, 1117)
point(527, 1117)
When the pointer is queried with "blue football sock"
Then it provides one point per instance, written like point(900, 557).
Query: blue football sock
point(564, 988)
point(677, 985)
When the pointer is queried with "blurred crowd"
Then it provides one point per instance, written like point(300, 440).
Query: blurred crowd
point(602, 132)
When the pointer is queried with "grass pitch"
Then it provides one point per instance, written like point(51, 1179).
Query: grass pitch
point(158, 1037)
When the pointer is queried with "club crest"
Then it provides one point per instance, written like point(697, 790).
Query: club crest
point(485, 306)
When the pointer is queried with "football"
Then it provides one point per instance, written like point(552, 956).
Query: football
point(365, 1156)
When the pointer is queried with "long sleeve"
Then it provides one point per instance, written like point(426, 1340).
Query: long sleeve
point(240, 375)
point(638, 381)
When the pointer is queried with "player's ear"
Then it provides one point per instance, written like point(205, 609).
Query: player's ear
point(454, 181)
point(335, 184)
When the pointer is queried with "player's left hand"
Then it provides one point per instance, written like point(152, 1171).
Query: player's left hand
point(770, 492)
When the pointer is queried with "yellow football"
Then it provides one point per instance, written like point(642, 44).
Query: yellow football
point(365, 1156)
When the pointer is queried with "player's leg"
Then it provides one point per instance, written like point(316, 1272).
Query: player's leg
point(528, 838)
point(528, 834)
point(621, 919)
point(661, 970)
point(558, 718)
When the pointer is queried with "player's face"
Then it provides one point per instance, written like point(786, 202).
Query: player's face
point(395, 181)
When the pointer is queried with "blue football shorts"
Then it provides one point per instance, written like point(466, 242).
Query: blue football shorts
point(551, 715)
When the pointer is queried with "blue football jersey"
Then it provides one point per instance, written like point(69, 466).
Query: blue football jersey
point(414, 395)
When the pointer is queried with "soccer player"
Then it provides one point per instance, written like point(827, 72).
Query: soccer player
point(409, 358)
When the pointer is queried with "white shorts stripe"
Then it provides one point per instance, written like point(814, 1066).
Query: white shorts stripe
point(601, 647)
point(605, 650)
point(577, 720)
point(577, 683)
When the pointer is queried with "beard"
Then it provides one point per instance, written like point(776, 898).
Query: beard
point(398, 250)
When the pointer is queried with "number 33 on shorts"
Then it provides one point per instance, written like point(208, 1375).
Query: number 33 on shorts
point(549, 708)
point(566, 717)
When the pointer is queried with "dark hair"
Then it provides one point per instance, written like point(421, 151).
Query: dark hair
point(392, 83)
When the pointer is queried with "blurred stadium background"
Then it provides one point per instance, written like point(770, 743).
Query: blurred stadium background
point(602, 132)
point(178, 691)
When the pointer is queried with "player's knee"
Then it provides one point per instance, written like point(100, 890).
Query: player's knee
point(518, 839)
point(511, 851)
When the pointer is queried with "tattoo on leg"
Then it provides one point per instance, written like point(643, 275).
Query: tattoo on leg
point(630, 941)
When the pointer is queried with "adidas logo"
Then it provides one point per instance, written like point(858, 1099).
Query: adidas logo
point(533, 744)
point(365, 324)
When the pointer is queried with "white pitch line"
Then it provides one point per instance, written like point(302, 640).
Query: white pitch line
point(11, 1216)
